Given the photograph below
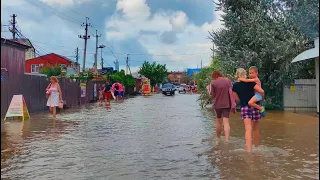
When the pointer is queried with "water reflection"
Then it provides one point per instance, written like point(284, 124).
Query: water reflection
point(157, 137)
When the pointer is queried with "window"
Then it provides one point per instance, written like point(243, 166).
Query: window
point(34, 68)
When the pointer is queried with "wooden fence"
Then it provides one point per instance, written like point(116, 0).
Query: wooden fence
point(32, 87)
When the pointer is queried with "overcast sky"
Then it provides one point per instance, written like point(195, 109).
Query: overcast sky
point(171, 32)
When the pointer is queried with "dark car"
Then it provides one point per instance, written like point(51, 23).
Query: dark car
point(168, 89)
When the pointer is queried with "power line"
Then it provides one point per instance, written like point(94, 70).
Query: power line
point(55, 12)
point(69, 8)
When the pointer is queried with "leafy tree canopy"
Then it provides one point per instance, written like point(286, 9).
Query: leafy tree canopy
point(157, 73)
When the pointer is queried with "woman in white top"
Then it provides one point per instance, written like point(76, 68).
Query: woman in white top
point(55, 95)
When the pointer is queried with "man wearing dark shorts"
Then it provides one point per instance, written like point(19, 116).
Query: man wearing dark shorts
point(222, 102)
point(243, 92)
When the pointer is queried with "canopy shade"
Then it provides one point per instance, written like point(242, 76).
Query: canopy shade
point(308, 54)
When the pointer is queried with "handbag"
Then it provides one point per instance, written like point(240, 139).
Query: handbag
point(61, 104)
point(48, 92)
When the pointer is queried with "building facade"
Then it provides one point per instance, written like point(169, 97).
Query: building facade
point(30, 52)
point(35, 64)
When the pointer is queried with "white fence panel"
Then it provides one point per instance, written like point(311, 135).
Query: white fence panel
point(300, 97)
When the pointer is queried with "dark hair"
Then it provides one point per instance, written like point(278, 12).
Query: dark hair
point(215, 74)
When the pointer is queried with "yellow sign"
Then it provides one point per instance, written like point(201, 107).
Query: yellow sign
point(83, 87)
point(17, 108)
point(292, 88)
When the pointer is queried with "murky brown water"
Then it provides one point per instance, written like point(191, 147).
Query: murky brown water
point(156, 138)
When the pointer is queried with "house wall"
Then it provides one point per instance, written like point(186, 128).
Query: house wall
point(30, 54)
point(45, 61)
point(12, 58)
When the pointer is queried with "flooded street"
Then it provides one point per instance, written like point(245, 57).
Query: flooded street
point(156, 137)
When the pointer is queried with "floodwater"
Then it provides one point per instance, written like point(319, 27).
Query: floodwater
point(156, 137)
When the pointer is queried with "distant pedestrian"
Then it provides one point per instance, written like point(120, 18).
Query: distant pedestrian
point(115, 88)
point(121, 91)
point(107, 93)
point(101, 92)
point(55, 95)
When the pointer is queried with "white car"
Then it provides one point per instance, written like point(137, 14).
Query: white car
point(182, 89)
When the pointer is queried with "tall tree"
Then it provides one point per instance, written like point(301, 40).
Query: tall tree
point(155, 72)
point(259, 33)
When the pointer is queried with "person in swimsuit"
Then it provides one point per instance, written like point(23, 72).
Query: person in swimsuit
point(107, 93)
point(101, 92)
point(55, 96)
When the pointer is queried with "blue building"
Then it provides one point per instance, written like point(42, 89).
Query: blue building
point(192, 71)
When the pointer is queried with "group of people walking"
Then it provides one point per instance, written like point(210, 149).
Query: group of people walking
point(105, 92)
point(248, 93)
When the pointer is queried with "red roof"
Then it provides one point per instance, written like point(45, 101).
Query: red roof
point(53, 58)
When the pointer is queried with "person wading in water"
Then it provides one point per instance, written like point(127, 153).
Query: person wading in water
point(223, 102)
point(243, 92)
point(115, 88)
point(107, 93)
point(55, 95)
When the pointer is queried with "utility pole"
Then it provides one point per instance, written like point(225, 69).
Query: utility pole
point(13, 23)
point(77, 55)
point(127, 64)
point(96, 55)
point(116, 65)
point(201, 63)
point(85, 37)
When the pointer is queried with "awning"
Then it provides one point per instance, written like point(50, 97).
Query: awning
point(308, 54)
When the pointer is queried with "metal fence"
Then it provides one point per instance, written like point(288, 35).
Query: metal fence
point(33, 87)
point(300, 96)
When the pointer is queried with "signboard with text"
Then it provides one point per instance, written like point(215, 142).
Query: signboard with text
point(17, 108)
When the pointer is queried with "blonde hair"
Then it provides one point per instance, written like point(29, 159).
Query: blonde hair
point(54, 79)
point(241, 73)
point(254, 68)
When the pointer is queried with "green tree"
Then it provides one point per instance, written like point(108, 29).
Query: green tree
point(51, 71)
point(260, 33)
point(157, 73)
point(204, 78)
point(127, 80)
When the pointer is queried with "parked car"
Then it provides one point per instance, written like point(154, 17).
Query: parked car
point(182, 90)
point(168, 89)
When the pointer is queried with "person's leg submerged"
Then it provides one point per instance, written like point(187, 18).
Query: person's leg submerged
point(54, 112)
point(226, 124)
point(256, 134)
point(218, 123)
point(248, 133)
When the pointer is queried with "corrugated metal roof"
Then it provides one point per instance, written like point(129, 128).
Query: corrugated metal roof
point(14, 43)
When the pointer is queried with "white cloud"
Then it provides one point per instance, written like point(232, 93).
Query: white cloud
point(215, 25)
point(134, 10)
point(179, 21)
point(192, 44)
